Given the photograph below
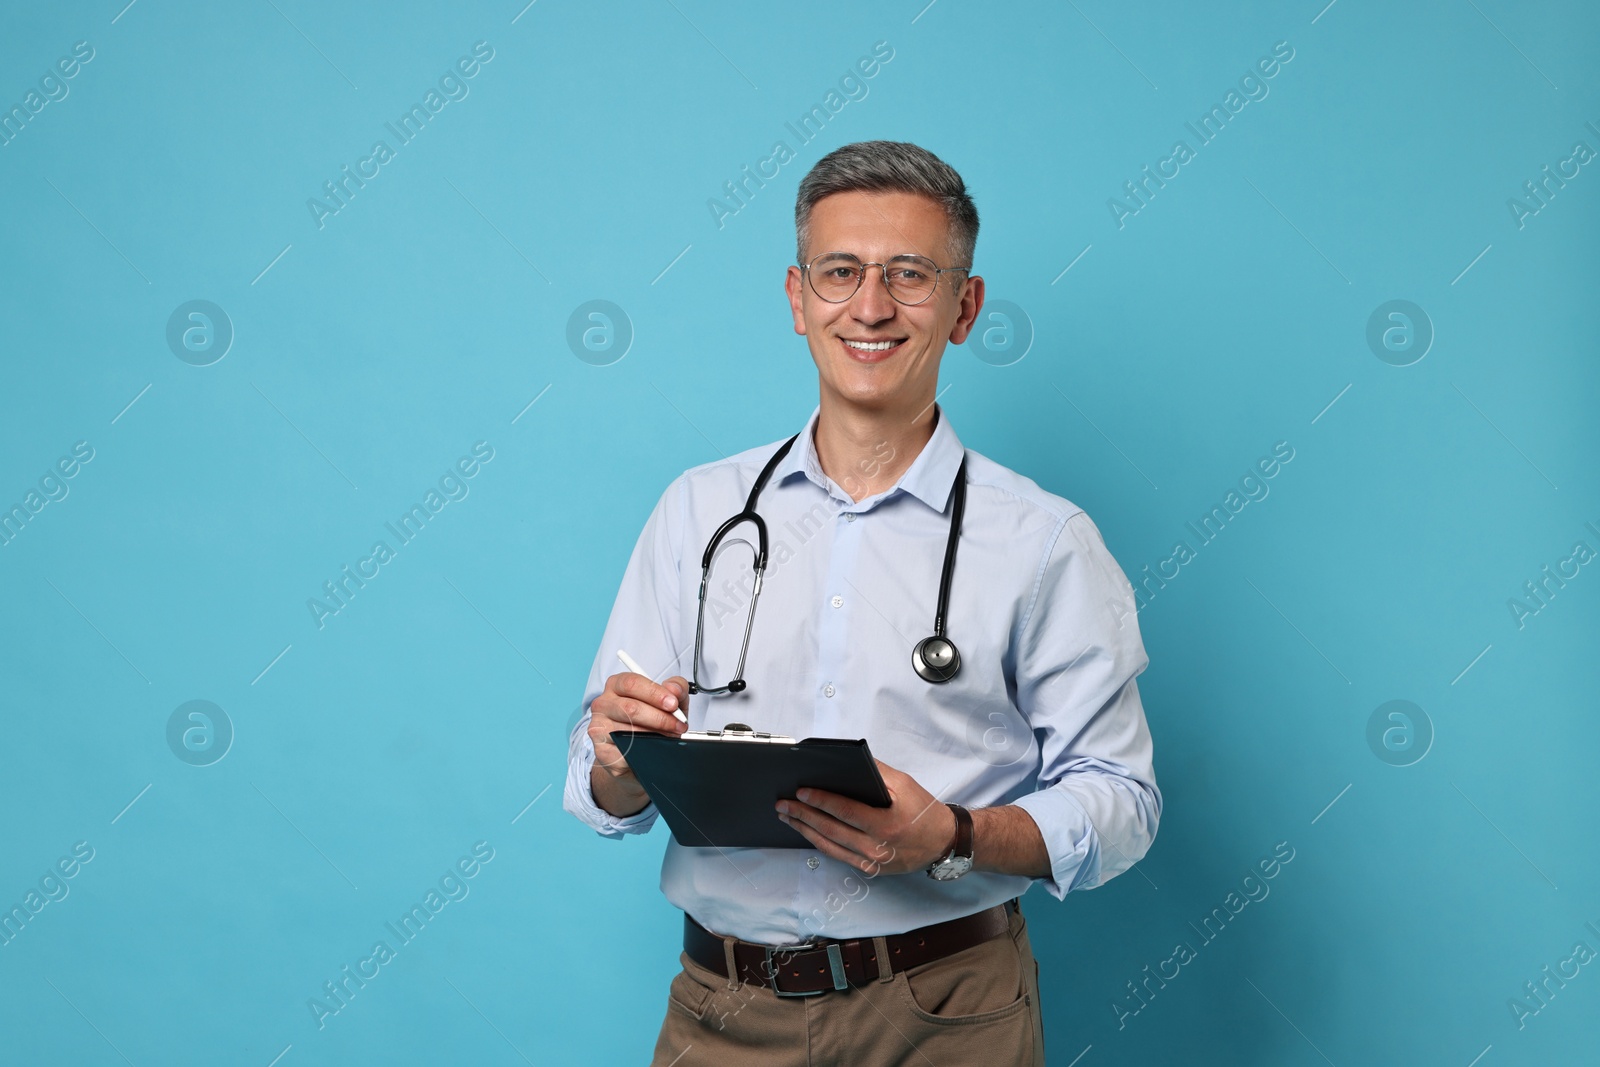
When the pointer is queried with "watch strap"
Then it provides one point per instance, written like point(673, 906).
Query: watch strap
point(963, 845)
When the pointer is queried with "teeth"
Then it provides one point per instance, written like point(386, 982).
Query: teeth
point(872, 346)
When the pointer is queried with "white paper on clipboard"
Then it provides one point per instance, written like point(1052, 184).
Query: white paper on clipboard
point(737, 731)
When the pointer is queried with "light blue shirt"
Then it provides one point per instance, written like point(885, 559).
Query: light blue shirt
point(1044, 713)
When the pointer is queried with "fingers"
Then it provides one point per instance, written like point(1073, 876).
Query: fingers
point(831, 848)
point(852, 812)
point(607, 755)
point(841, 833)
point(822, 844)
point(638, 687)
point(680, 685)
point(633, 701)
point(894, 780)
point(621, 713)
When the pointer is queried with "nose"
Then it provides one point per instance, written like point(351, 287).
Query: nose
point(872, 302)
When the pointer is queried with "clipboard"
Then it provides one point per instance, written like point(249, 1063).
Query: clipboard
point(717, 789)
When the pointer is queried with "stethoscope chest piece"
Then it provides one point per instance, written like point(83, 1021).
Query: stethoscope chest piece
point(935, 659)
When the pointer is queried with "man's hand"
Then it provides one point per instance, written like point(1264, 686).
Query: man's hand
point(630, 702)
point(912, 832)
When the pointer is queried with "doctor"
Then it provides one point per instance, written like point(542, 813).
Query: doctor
point(897, 937)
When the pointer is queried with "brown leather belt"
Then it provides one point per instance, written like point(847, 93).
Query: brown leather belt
point(826, 964)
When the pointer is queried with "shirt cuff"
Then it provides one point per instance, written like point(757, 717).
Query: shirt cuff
point(578, 798)
point(1069, 838)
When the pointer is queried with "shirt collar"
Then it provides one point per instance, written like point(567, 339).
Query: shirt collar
point(930, 477)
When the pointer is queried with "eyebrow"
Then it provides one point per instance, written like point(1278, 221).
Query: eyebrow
point(857, 258)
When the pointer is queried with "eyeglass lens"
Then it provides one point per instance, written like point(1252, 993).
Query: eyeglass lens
point(835, 276)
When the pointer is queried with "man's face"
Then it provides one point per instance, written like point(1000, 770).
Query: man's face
point(874, 227)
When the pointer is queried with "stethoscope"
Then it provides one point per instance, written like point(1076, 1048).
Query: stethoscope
point(935, 658)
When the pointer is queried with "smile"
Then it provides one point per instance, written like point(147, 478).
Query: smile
point(872, 346)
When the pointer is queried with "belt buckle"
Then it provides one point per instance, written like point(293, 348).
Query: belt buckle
point(835, 964)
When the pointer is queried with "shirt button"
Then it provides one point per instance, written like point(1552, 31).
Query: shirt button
point(812, 862)
point(849, 516)
point(837, 602)
point(827, 690)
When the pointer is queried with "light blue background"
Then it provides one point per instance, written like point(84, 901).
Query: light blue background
point(1227, 315)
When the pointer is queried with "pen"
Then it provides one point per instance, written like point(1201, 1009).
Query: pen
point(627, 661)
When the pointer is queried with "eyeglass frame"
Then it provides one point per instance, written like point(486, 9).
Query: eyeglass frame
point(883, 271)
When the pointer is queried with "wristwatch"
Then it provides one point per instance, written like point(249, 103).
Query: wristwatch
point(959, 859)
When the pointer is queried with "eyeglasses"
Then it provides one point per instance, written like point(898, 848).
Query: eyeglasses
point(835, 276)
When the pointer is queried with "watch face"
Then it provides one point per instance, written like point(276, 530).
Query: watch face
point(952, 868)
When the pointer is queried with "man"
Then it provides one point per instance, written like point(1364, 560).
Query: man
point(1032, 763)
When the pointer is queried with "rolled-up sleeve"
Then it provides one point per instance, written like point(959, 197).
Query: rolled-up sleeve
point(1078, 654)
point(644, 622)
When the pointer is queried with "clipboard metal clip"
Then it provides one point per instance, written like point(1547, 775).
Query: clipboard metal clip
point(835, 964)
point(736, 731)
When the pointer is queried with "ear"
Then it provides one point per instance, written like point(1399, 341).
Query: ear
point(793, 286)
point(971, 302)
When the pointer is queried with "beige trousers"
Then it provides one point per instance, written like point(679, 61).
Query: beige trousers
point(976, 1006)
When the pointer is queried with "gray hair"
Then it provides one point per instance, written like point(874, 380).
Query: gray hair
point(890, 166)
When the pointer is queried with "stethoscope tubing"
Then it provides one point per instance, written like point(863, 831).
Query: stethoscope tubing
point(934, 672)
